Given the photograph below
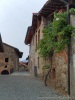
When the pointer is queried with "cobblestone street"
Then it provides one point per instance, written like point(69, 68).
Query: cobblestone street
point(21, 86)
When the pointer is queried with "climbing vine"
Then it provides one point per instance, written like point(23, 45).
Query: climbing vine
point(72, 11)
point(46, 67)
point(56, 35)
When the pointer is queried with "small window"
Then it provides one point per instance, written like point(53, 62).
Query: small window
point(39, 35)
point(36, 41)
point(6, 66)
point(54, 73)
point(38, 62)
point(6, 59)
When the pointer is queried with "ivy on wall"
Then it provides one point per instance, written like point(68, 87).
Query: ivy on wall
point(56, 35)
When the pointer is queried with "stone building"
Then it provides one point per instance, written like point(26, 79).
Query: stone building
point(9, 59)
point(23, 66)
point(60, 74)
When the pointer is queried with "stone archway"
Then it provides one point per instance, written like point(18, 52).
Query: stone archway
point(4, 72)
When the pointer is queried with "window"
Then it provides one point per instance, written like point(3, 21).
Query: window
point(36, 31)
point(38, 22)
point(6, 59)
point(38, 62)
point(6, 66)
point(36, 41)
point(38, 34)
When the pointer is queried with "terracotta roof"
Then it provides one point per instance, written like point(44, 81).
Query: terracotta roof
point(34, 21)
point(54, 5)
point(23, 64)
point(50, 6)
point(31, 29)
point(29, 35)
point(16, 50)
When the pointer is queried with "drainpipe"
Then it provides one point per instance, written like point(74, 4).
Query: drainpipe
point(68, 22)
point(69, 46)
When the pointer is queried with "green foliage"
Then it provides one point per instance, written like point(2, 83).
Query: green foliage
point(46, 67)
point(72, 11)
point(56, 35)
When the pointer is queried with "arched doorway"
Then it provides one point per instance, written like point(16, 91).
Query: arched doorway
point(4, 72)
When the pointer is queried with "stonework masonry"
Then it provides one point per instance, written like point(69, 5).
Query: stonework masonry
point(12, 58)
point(59, 72)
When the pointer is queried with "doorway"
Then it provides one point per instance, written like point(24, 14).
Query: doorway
point(4, 72)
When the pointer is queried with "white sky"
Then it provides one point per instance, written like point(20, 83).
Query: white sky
point(15, 17)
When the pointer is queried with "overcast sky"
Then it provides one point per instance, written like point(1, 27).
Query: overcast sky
point(15, 17)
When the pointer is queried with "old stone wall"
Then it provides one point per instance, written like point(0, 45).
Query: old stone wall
point(16, 68)
point(13, 59)
point(58, 76)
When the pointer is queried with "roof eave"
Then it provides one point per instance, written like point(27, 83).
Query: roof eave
point(31, 29)
point(49, 7)
point(1, 45)
point(18, 52)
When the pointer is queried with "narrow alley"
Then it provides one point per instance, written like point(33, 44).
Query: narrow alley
point(22, 86)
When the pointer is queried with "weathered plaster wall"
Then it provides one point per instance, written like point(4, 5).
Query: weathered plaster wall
point(33, 52)
point(41, 60)
point(31, 56)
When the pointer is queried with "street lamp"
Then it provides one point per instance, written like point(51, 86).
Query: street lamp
point(68, 22)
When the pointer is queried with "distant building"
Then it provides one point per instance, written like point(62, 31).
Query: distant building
point(9, 59)
point(23, 66)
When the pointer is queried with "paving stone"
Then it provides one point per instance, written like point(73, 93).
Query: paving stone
point(24, 87)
